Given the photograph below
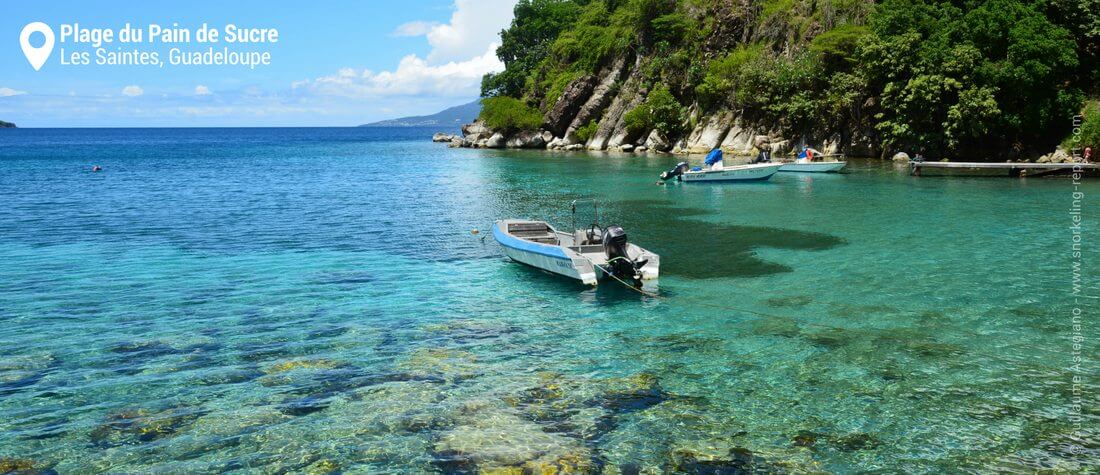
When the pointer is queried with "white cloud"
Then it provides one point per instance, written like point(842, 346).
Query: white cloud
point(463, 51)
point(415, 28)
point(474, 24)
point(201, 90)
point(132, 91)
point(8, 92)
point(413, 76)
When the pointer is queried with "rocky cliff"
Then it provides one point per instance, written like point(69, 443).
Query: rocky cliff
point(862, 77)
point(606, 97)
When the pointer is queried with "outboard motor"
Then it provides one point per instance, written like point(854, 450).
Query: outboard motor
point(678, 170)
point(618, 261)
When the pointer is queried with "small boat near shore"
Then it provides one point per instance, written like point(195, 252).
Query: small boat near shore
point(812, 167)
point(586, 254)
point(805, 163)
point(715, 171)
point(750, 172)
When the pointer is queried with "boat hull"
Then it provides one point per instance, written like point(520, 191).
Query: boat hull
point(546, 257)
point(565, 260)
point(813, 167)
point(755, 172)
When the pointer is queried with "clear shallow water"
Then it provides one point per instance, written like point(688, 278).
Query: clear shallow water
point(313, 300)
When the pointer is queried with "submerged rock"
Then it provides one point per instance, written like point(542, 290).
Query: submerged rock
point(784, 327)
point(736, 460)
point(805, 438)
point(829, 337)
point(233, 423)
point(141, 425)
point(397, 408)
point(292, 365)
point(322, 467)
point(440, 363)
point(490, 438)
point(17, 466)
point(470, 330)
point(19, 373)
point(630, 394)
point(790, 301)
point(854, 441)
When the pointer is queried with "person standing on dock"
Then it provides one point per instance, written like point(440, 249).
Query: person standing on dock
point(1088, 155)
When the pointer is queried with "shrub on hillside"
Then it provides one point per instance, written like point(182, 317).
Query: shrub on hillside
point(585, 132)
point(507, 114)
point(1088, 134)
point(660, 111)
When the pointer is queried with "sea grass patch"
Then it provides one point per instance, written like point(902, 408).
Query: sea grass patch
point(698, 249)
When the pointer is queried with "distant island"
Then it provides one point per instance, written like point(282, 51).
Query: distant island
point(6, 125)
point(453, 116)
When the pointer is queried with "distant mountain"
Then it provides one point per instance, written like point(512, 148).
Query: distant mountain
point(452, 117)
point(6, 125)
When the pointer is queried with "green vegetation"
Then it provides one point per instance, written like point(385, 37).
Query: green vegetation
point(6, 125)
point(946, 77)
point(660, 111)
point(1088, 130)
point(535, 27)
point(508, 114)
point(586, 131)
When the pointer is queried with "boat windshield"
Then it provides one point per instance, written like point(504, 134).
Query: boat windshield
point(586, 213)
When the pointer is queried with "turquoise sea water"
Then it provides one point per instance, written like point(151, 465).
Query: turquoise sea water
point(313, 300)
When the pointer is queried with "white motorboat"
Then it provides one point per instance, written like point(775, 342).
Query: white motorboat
point(750, 172)
point(804, 166)
point(715, 171)
point(587, 254)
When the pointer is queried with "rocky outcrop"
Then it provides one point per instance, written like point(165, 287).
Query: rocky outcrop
point(612, 130)
point(599, 99)
point(1058, 156)
point(476, 130)
point(495, 141)
point(657, 141)
point(711, 133)
point(6, 125)
point(528, 140)
point(901, 157)
point(569, 104)
point(605, 99)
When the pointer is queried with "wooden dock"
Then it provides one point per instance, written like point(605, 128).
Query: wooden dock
point(1014, 169)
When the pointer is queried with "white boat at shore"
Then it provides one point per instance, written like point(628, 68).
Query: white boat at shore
point(713, 170)
point(812, 167)
point(750, 172)
point(587, 255)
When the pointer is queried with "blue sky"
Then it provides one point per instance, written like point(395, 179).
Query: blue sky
point(335, 63)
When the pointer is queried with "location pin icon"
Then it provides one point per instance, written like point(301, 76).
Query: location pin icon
point(36, 56)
